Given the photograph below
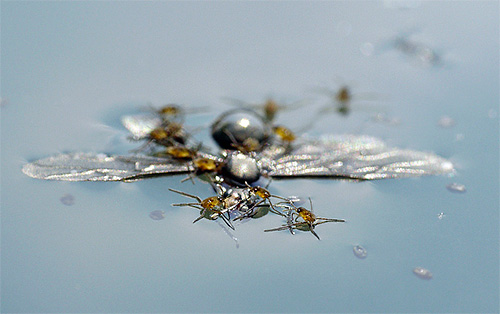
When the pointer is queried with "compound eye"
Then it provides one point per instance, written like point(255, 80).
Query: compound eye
point(235, 127)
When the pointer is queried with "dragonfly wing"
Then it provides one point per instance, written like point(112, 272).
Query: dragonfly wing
point(350, 156)
point(101, 167)
point(141, 125)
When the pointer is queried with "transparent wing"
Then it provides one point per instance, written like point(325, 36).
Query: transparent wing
point(357, 157)
point(101, 167)
point(141, 125)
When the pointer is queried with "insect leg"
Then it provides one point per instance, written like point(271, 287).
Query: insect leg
point(187, 195)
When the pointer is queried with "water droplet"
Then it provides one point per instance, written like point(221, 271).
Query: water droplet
point(359, 252)
point(67, 199)
point(446, 122)
point(422, 273)
point(456, 188)
point(157, 214)
point(297, 200)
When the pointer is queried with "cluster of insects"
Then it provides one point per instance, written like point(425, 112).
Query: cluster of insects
point(232, 202)
point(252, 148)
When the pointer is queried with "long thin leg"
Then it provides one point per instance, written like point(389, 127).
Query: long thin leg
point(186, 194)
point(323, 220)
point(195, 205)
point(273, 210)
point(227, 221)
point(248, 211)
point(199, 218)
point(311, 228)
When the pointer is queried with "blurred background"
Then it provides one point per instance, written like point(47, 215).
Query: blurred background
point(423, 75)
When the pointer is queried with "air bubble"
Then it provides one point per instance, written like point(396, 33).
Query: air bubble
point(456, 188)
point(157, 215)
point(359, 252)
point(422, 273)
point(67, 199)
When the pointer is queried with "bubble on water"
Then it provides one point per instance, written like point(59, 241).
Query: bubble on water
point(359, 252)
point(446, 122)
point(422, 273)
point(456, 188)
point(157, 214)
point(67, 199)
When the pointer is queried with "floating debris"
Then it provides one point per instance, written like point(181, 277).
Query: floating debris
point(456, 188)
point(446, 122)
point(441, 216)
point(67, 199)
point(359, 252)
point(422, 273)
point(157, 215)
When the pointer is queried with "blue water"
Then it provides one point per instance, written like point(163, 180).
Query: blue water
point(70, 70)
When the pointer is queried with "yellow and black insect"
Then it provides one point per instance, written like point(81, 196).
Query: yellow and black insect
point(308, 220)
point(210, 208)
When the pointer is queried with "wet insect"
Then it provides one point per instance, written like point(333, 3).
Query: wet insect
point(308, 220)
point(265, 198)
point(168, 134)
point(348, 156)
point(210, 208)
point(234, 171)
point(284, 134)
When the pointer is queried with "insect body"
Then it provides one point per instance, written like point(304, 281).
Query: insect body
point(308, 220)
point(210, 208)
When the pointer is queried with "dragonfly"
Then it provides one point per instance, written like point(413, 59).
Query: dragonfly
point(358, 157)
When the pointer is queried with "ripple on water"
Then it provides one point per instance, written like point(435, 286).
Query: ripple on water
point(67, 199)
point(157, 215)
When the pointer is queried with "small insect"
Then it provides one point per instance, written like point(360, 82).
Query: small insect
point(210, 208)
point(265, 197)
point(203, 166)
point(170, 110)
point(308, 223)
point(174, 112)
point(269, 107)
point(343, 100)
point(167, 135)
point(284, 134)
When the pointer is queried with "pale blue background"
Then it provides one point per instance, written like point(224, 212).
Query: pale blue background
point(69, 70)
